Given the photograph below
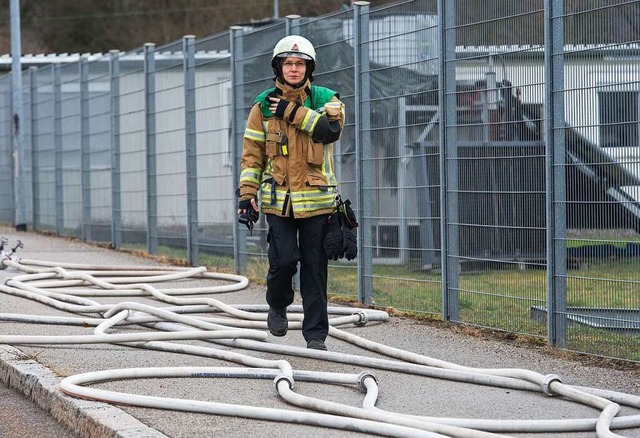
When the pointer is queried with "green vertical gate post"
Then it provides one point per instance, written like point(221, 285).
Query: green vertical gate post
point(448, 162)
point(116, 192)
point(57, 147)
point(35, 159)
point(555, 173)
point(237, 132)
point(188, 51)
point(85, 152)
point(364, 149)
point(150, 136)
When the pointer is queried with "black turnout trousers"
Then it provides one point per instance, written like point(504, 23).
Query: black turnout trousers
point(292, 241)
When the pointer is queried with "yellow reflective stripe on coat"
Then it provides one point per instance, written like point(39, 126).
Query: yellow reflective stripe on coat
point(280, 196)
point(250, 174)
point(311, 200)
point(327, 167)
point(252, 134)
point(309, 122)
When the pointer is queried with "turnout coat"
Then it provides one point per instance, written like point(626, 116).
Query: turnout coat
point(288, 156)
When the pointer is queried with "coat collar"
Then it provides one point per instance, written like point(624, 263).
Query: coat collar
point(298, 94)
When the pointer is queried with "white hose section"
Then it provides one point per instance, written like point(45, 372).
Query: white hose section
point(285, 391)
point(68, 287)
point(73, 386)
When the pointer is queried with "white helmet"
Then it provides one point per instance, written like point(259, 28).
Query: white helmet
point(294, 46)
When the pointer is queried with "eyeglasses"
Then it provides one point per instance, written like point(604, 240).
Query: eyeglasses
point(297, 65)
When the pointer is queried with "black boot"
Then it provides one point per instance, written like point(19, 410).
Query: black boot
point(277, 321)
point(316, 344)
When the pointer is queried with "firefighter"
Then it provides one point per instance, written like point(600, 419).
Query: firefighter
point(287, 158)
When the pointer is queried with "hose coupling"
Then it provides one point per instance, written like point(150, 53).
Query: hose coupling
point(364, 376)
point(546, 383)
point(364, 318)
point(285, 377)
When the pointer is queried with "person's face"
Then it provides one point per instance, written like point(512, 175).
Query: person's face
point(294, 70)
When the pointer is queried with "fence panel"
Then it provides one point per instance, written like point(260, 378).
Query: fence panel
point(68, 152)
point(499, 169)
point(402, 192)
point(6, 160)
point(97, 187)
point(132, 162)
point(215, 185)
point(601, 93)
point(43, 150)
point(170, 147)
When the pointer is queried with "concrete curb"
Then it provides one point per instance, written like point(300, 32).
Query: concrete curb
point(86, 418)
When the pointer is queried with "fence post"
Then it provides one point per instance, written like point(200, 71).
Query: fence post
point(555, 173)
point(85, 157)
point(237, 121)
point(364, 152)
point(10, 188)
point(292, 24)
point(17, 121)
point(116, 192)
point(188, 51)
point(150, 136)
point(57, 146)
point(35, 168)
point(448, 163)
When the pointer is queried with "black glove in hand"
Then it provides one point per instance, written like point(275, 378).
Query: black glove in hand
point(244, 204)
point(349, 244)
point(280, 109)
point(250, 215)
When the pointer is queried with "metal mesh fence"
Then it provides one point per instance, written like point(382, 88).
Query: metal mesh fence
point(6, 138)
point(214, 159)
point(43, 148)
point(131, 158)
point(496, 175)
point(96, 150)
point(600, 91)
point(490, 152)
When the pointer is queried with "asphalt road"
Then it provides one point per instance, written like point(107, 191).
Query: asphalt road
point(22, 418)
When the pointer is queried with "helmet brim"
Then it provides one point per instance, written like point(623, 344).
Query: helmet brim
point(294, 55)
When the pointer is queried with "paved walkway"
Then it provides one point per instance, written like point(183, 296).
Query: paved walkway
point(37, 370)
